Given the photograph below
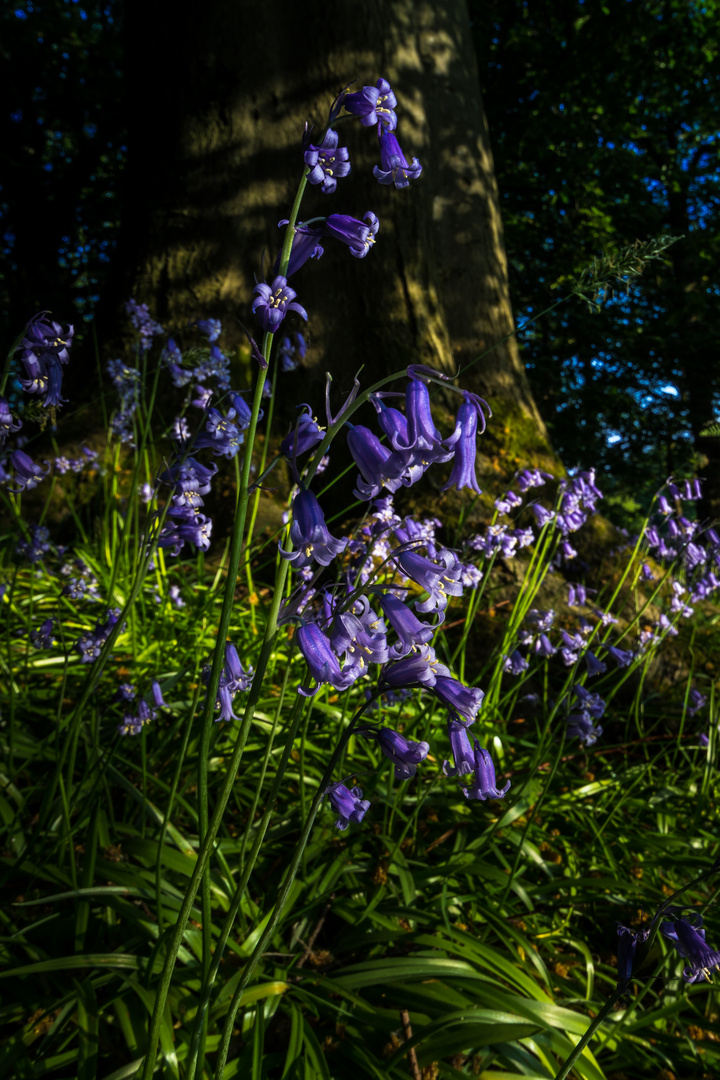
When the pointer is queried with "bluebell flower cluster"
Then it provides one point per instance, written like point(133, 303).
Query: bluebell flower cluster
point(133, 723)
point(90, 645)
point(233, 679)
point(43, 352)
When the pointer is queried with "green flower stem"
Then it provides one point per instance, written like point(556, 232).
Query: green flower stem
point(285, 889)
point(208, 829)
point(170, 802)
point(236, 545)
point(247, 869)
point(599, 1019)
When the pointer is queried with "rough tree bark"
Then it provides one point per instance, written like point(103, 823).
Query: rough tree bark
point(217, 99)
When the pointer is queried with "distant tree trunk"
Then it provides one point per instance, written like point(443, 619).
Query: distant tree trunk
point(218, 96)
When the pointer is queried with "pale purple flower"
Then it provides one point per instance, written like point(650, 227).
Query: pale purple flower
point(439, 581)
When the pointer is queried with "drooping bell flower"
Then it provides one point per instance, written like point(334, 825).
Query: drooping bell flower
point(410, 631)
point(27, 474)
point(465, 700)
point(304, 436)
point(464, 442)
point(310, 535)
point(347, 803)
point(405, 754)
point(8, 423)
point(359, 236)
point(689, 940)
point(322, 662)
point(379, 466)
point(395, 169)
point(484, 786)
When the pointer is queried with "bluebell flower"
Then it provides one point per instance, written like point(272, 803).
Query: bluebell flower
point(310, 535)
point(462, 751)
point(689, 940)
point(211, 327)
point(439, 581)
point(484, 786)
point(465, 700)
point(515, 663)
point(146, 326)
point(696, 701)
point(43, 352)
point(529, 478)
point(305, 246)
point(322, 662)
point(395, 169)
point(347, 803)
point(627, 944)
point(184, 525)
point(359, 236)
point(327, 162)
point(37, 545)
point(292, 352)
point(361, 644)
point(273, 302)
point(508, 502)
point(420, 668)
point(622, 657)
point(90, 645)
point(405, 623)
point(594, 666)
point(125, 692)
point(43, 638)
point(373, 105)
point(472, 759)
point(405, 754)
point(27, 474)
point(577, 595)
point(379, 466)
point(464, 442)
point(221, 435)
point(233, 678)
point(8, 423)
point(423, 438)
point(304, 436)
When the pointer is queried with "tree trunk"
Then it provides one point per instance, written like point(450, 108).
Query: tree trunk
point(217, 100)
